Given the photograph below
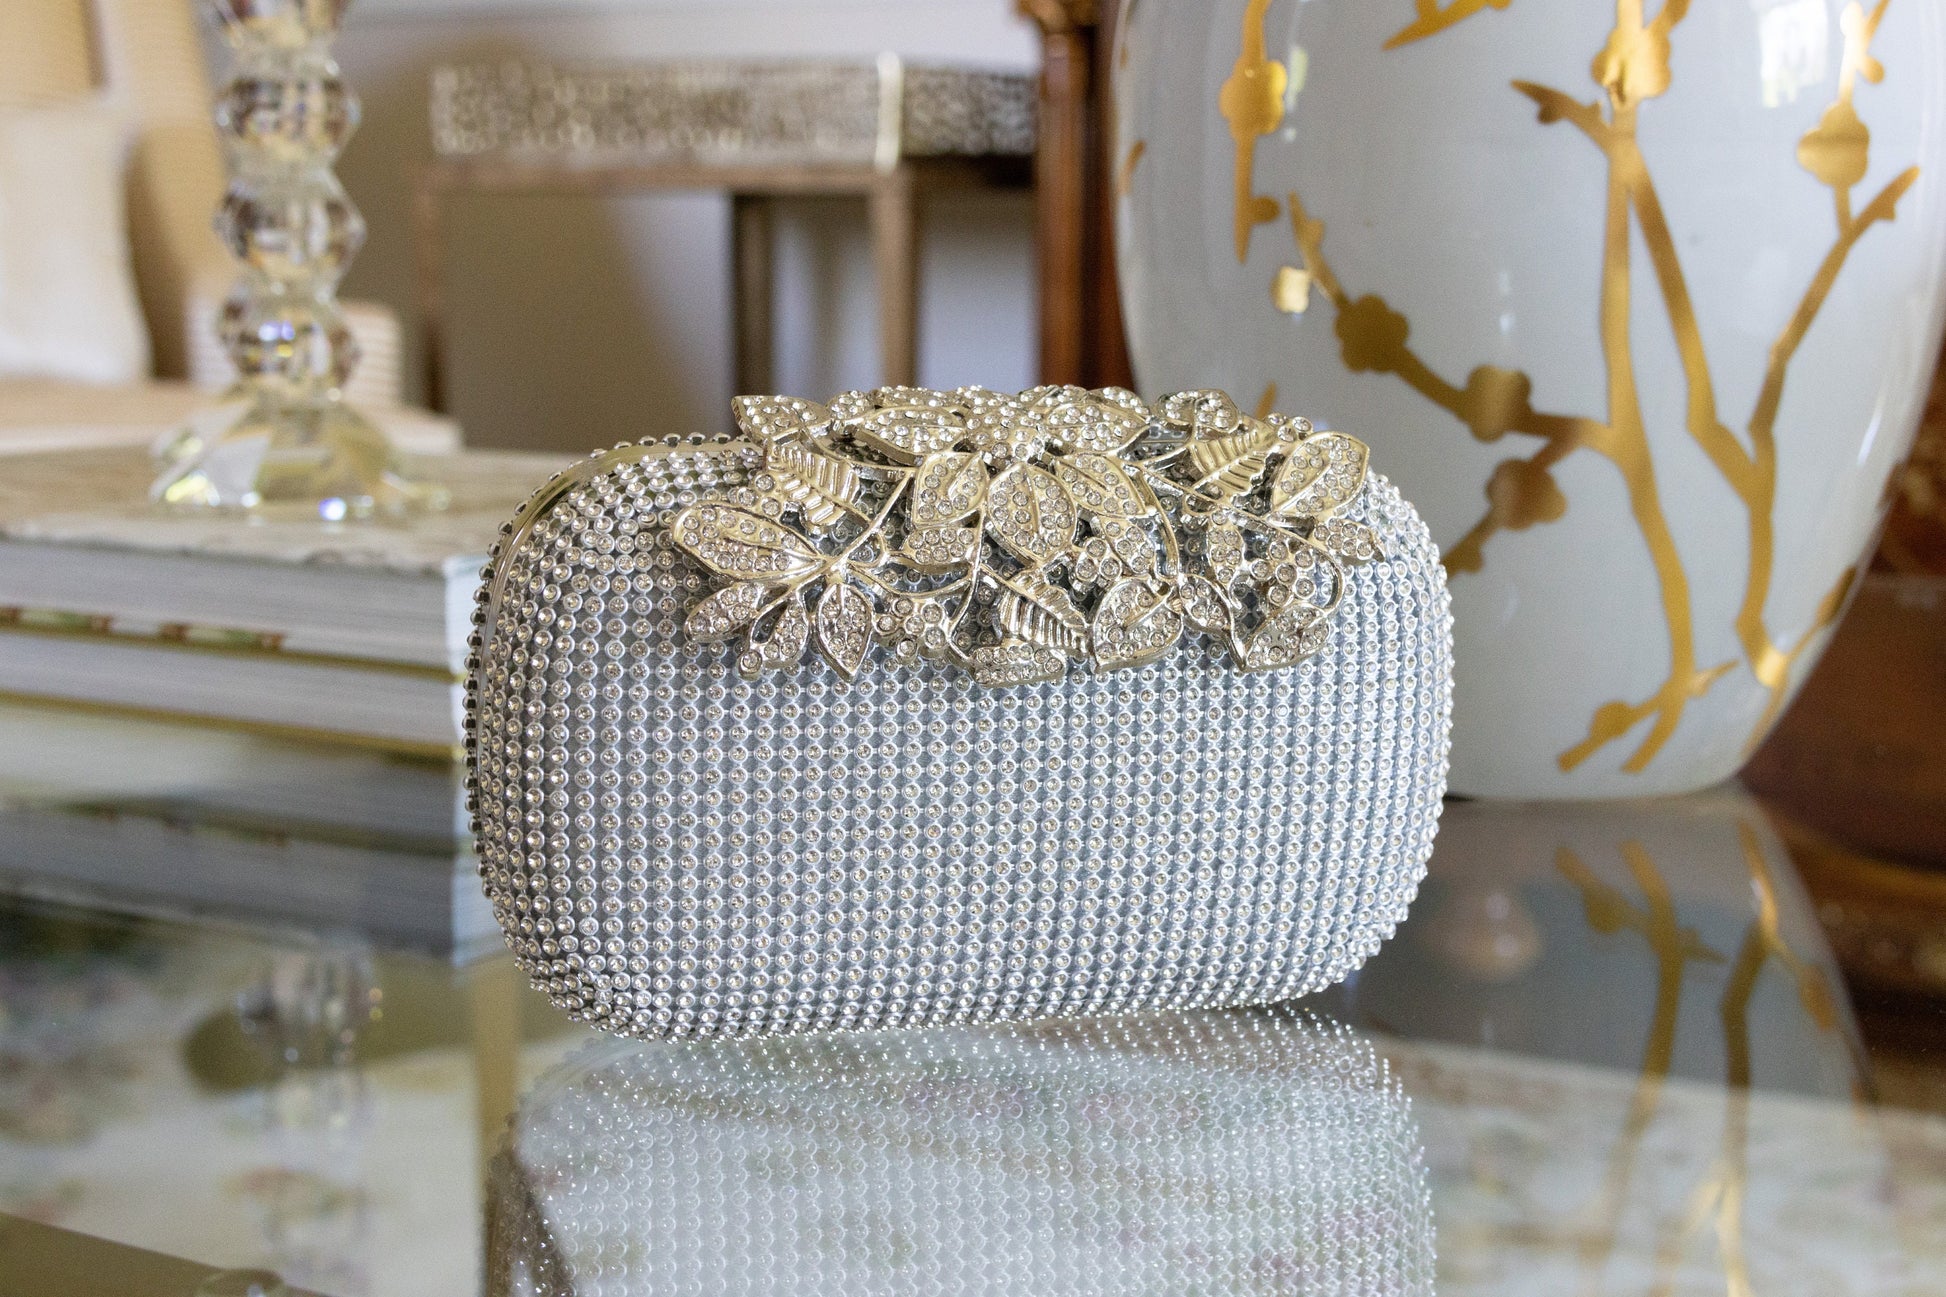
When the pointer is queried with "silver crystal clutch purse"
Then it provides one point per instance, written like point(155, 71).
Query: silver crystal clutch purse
point(920, 707)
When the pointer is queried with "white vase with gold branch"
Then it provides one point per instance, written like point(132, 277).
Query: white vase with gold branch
point(1637, 300)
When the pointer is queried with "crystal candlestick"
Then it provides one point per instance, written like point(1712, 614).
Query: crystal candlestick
point(285, 440)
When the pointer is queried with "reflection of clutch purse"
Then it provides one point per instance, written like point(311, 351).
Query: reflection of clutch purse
point(1210, 1152)
point(1158, 715)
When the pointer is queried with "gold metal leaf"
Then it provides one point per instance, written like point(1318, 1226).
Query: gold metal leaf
point(844, 628)
point(1002, 666)
point(1130, 543)
point(1223, 551)
point(1046, 399)
point(1349, 541)
point(1134, 624)
point(887, 398)
point(1300, 572)
point(770, 418)
point(1039, 612)
point(1323, 473)
point(1286, 638)
point(823, 488)
point(907, 434)
point(1080, 420)
point(850, 407)
point(742, 545)
point(978, 400)
point(948, 486)
point(1030, 513)
point(1101, 486)
point(790, 635)
point(940, 549)
point(1205, 411)
point(1123, 399)
point(1227, 466)
point(726, 612)
point(1205, 606)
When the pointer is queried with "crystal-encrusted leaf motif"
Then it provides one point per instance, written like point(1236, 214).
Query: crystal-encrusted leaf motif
point(743, 546)
point(1321, 474)
point(948, 487)
point(1129, 542)
point(1122, 399)
point(849, 407)
point(941, 549)
point(1094, 563)
point(1224, 553)
point(978, 400)
point(906, 434)
point(1205, 412)
point(726, 612)
point(1205, 606)
point(1135, 624)
point(1229, 465)
point(844, 628)
point(772, 418)
point(1080, 420)
point(1286, 639)
point(1030, 513)
point(1299, 572)
point(888, 397)
point(1101, 487)
point(789, 636)
point(1037, 611)
point(1349, 541)
point(1006, 665)
point(1008, 534)
point(823, 488)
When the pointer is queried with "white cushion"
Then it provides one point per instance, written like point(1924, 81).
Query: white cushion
point(68, 307)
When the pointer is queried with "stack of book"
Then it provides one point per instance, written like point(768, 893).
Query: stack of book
point(200, 822)
point(353, 632)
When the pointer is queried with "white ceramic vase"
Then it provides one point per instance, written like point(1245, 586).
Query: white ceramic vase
point(1637, 308)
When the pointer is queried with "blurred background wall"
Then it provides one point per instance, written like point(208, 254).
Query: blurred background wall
point(577, 322)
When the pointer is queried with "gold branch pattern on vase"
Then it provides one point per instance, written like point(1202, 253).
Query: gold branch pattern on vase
point(1010, 535)
point(1432, 18)
point(1631, 70)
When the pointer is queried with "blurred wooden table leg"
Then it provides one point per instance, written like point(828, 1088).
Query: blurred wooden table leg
point(753, 275)
point(895, 257)
point(428, 250)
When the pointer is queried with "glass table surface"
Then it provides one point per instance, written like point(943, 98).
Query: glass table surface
point(1609, 1052)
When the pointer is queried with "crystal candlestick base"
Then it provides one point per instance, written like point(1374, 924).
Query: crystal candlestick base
point(284, 439)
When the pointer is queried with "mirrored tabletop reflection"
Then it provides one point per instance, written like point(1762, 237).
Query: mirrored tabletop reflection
point(1217, 1151)
point(1609, 1052)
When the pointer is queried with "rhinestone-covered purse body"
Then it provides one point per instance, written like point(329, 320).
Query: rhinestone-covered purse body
point(677, 851)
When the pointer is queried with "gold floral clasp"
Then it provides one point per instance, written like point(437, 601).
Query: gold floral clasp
point(1012, 534)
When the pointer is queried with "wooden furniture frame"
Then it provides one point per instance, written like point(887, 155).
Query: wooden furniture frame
point(894, 198)
point(1082, 338)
